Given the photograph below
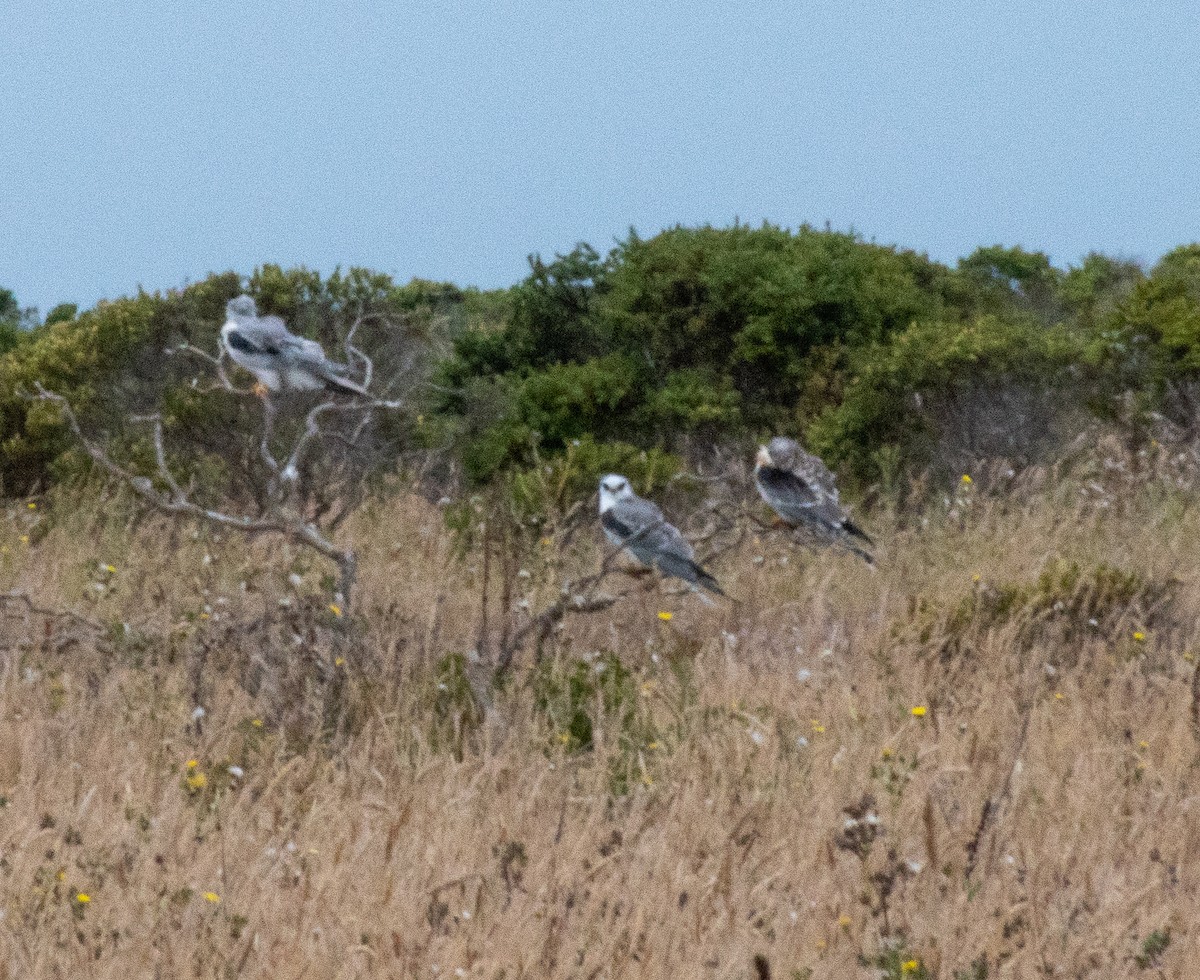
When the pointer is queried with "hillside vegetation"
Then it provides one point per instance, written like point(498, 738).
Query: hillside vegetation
point(977, 762)
point(510, 756)
point(887, 363)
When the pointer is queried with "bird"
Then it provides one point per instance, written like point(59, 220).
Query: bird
point(799, 487)
point(640, 527)
point(279, 359)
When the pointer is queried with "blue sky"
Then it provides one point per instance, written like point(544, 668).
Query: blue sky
point(152, 143)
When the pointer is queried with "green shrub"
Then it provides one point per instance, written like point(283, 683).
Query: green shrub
point(917, 390)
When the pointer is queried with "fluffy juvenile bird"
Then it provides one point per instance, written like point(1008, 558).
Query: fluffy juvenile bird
point(800, 489)
point(279, 359)
point(640, 527)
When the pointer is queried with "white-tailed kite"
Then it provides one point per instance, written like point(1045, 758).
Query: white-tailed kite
point(279, 359)
point(800, 489)
point(640, 527)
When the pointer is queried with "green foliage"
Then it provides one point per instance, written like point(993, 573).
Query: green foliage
point(693, 334)
point(1153, 337)
point(64, 312)
point(11, 333)
point(995, 279)
point(528, 500)
point(898, 963)
point(116, 361)
point(1067, 603)
point(903, 392)
point(1153, 948)
point(553, 486)
point(577, 699)
point(886, 362)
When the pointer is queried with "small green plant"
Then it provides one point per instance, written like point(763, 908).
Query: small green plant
point(454, 709)
point(1153, 947)
point(894, 770)
point(898, 963)
point(583, 700)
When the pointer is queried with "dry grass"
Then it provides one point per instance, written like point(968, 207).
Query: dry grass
point(718, 816)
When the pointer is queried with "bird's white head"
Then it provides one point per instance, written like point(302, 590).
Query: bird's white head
point(613, 487)
point(780, 452)
point(241, 306)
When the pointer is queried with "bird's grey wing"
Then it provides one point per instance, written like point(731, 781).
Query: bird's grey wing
point(262, 335)
point(813, 471)
point(660, 543)
point(649, 531)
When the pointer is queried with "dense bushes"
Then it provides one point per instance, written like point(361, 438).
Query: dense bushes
point(122, 359)
point(703, 335)
point(884, 360)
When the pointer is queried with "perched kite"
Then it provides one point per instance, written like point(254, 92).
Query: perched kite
point(640, 527)
point(801, 490)
point(279, 359)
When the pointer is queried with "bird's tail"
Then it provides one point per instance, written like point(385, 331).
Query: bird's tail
point(856, 532)
point(705, 579)
point(864, 555)
point(680, 566)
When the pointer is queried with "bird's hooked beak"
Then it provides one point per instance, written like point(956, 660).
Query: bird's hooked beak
point(763, 458)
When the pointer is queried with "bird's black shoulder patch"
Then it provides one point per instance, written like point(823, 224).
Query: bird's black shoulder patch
point(240, 344)
point(782, 481)
point(613, 524)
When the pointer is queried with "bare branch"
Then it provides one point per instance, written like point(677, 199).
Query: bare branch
point(575, 597)
point(312, 428)
point(142, 485)
point(217, 362)
point(24, 599)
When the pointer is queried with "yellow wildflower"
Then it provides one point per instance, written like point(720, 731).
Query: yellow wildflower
point(111, 569)
point(83, 898)
point(887, 752)
point(191, 763)
point(339, 661)
point(966, 479)
point(197, 781)
point(335, 609)
point(975, 578)
point(652, 745)
point(817, 727)
point(844, 921)
point(32, 505)
point(564, 737)
point(62, 875)
point(665, 616)
point(1143, 744)
point(1139, 637)
point(646, 779)
point(1058, 695)
point(919, 711)
point(212, 897)
point(257, 723)
point(912, 966)
point(24, 539)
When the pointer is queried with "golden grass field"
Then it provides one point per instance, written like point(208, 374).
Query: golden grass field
point(793, 786)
